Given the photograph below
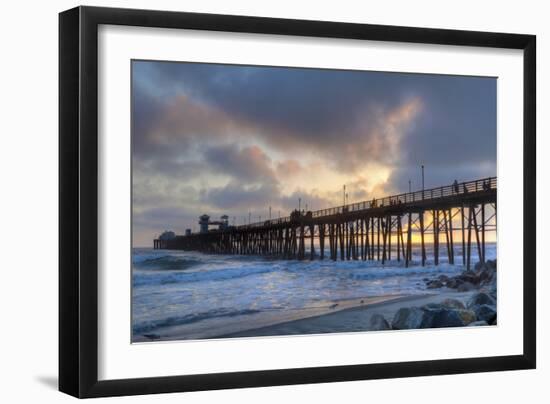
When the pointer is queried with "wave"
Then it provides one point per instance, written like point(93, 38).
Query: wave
point(228, 270)
point(149, 326)
point(210, 274)
point(166, 262)
point(369, 269)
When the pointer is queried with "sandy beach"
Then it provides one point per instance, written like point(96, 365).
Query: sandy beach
point(329, 317)
point(265, 320)
point(352, 319)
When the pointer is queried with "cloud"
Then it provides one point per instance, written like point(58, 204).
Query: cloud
point(289, 109)
point(249, 163)
point(373, 137)
point(310, 200)
point(377, 137)
point(236, 195)
point(216, 139)
point(288, 168)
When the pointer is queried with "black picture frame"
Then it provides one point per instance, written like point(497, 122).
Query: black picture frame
point(78, 201)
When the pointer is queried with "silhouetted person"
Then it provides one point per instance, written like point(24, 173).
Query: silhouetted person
point(455, 186)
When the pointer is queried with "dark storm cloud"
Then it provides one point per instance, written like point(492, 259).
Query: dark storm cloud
point(316, 103)
point(256, 198)
point(236, 195)
point(459, 123)
point(247, 164)
point(331, 109)
point(148, 224)
point(290, 108)
point(456, 136)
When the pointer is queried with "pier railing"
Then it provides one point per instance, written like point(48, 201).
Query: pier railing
point(459, 188)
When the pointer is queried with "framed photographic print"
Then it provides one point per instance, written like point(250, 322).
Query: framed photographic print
point(251, 201)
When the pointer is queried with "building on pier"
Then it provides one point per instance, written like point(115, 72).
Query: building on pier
point(205, 223)
point(167, 235)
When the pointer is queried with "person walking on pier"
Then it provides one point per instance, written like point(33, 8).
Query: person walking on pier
point(455, 187)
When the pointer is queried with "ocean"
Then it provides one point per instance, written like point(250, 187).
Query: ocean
point(190, 295)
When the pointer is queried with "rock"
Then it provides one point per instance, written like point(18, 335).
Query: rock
point(466, 287)
point(468, 316)
point(378, 323)
point(485, 312)
point(494, 322)
point(479, 266)
point(490, 289)
point(434, 284)
point(433, 306)
point(407, 318)
point(437, 317)
point(470, 276)
point(443, 278)
point(486, 272)
point(454, 283)
point(479, 323)
point(480, 298)
point(488, 275)
point(432, 315)
point(453, 304)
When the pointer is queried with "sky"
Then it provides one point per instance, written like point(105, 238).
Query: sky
point(237, 140)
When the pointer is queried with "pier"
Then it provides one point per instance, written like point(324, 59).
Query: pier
point(380, 229)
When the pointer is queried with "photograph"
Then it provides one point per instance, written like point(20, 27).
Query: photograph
point(276, 201)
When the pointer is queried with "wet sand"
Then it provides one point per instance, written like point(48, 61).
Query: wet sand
point(351, 319)
point(225, 327)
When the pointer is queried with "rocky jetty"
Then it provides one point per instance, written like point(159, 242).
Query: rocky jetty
point(378, 323)
point(479, 310)
point(484, 276)
point(433, 315)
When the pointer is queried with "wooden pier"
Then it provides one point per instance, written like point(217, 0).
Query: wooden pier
point(381, 229)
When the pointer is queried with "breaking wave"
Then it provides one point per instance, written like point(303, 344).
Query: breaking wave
point(152, 325)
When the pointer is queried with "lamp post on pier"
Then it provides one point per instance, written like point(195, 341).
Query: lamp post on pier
point(422, 181)
point(344, 194)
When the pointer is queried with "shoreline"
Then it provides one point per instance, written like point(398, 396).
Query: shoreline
point(343, 316)
point(198, 331)
point(352, 319)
